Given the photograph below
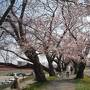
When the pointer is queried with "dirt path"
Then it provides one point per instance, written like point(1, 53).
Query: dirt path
point(54, 85)
point(61, 85)
point(23, 84)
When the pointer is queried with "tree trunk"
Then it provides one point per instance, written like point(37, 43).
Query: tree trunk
point(38, 69)
point(51, 68)
point(39, 74)
point(58, 67)
point(80, 72)
point(75, 68)
point(59, 63)
point(75, 65)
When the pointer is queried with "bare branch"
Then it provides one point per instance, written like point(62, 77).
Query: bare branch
point(20, 21)
point(61, 38)
point(67, 25)
point(8, 31)
point(23, 8)
point(14, 27)
point(6, 12)
point(14, 53)
point(1, 34)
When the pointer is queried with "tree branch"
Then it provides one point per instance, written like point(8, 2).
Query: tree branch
point(1, 34)
point(6, 12)
point(14, 27)
point(20, 21)
point(23, 8)
point(8, 31)
point(14, 53)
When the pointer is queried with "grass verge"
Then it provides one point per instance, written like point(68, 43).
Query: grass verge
point(26, 78)
point(40, 85)
point(36, 86)
point(83, 84)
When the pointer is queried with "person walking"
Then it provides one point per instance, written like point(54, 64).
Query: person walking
point(71, 69)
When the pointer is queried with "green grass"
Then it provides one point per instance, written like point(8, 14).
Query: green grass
point(40, 85)
point(36, 86)
point(83, 84)
point(52, 78)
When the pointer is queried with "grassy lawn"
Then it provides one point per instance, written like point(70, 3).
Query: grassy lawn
point(39, 85)
point(36, 86)
point(83, 84)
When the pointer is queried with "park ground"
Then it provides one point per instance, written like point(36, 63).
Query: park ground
point(57, 83)
point(63, 83)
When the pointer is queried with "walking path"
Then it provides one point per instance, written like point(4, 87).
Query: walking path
point(60, 84)
point(63, 83)
point(23, 84)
